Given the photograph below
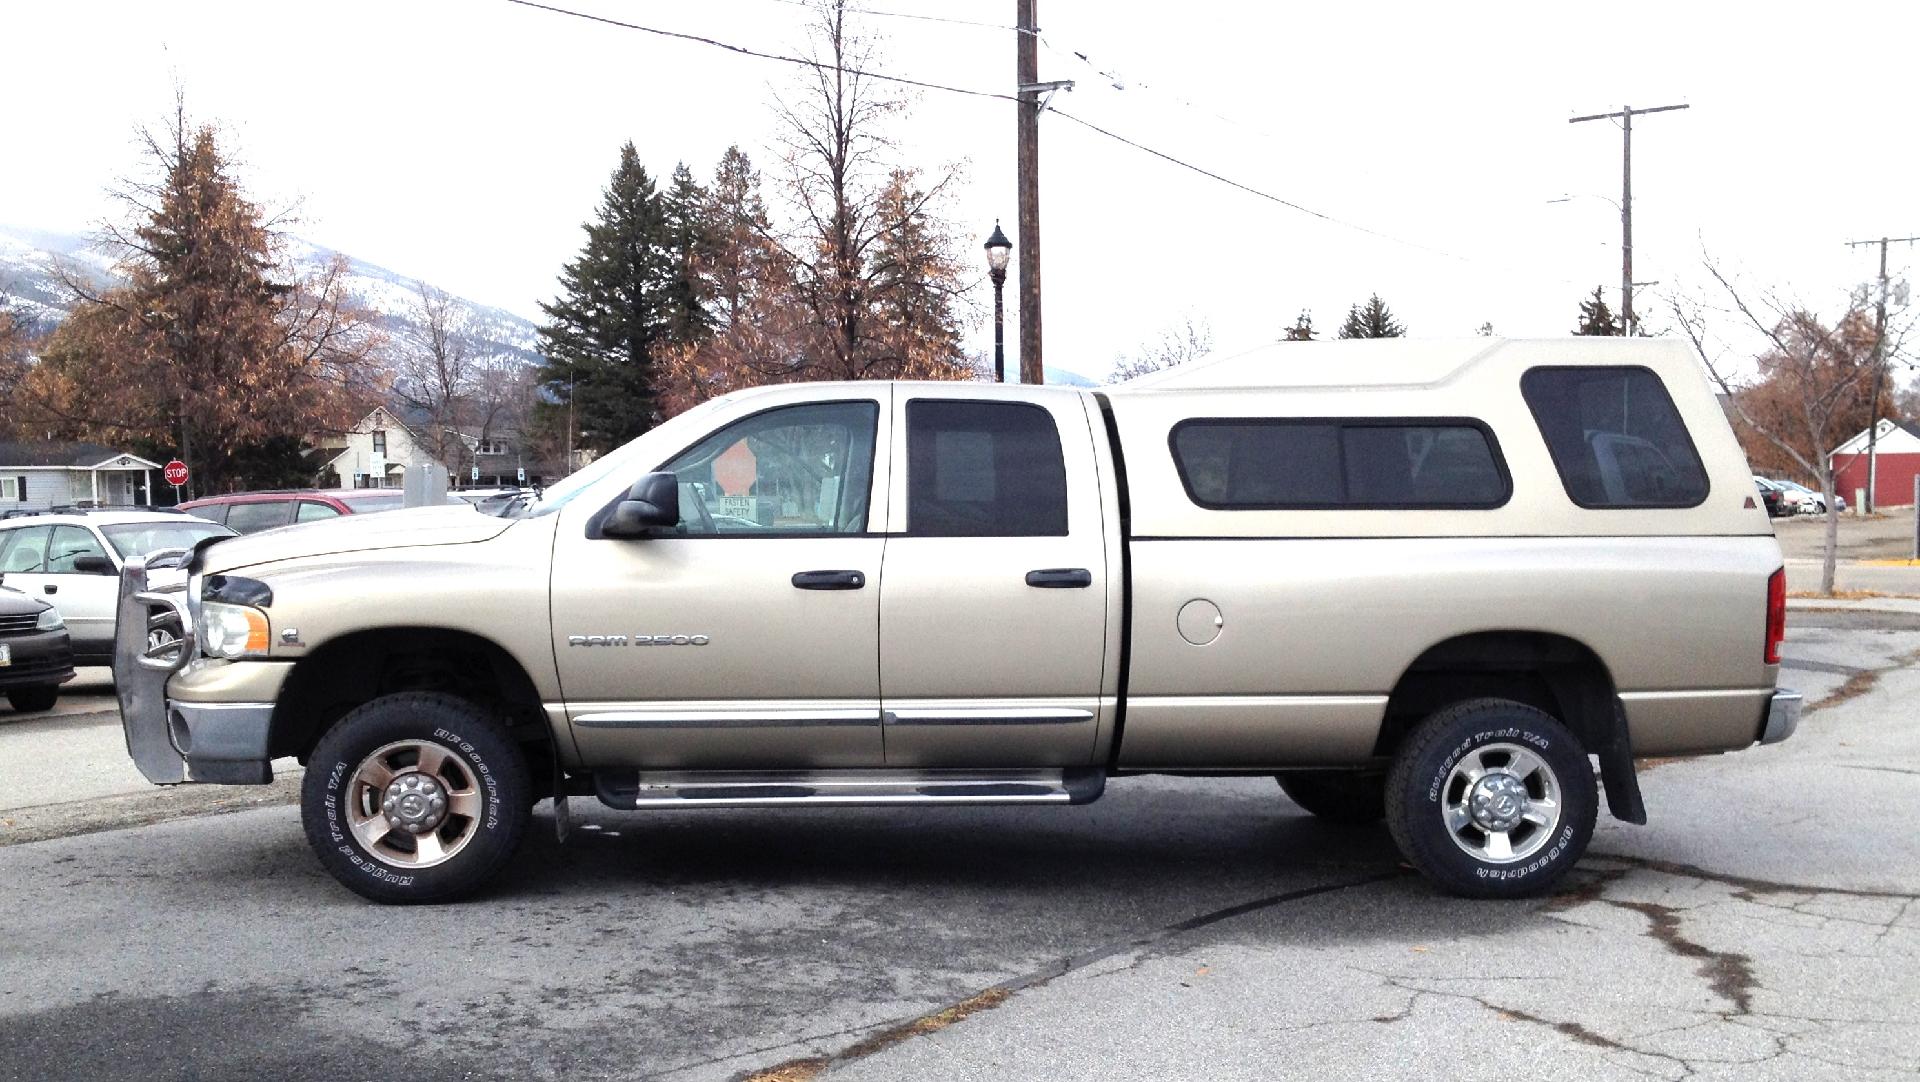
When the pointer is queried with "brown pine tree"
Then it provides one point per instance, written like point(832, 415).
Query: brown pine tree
point(211, 349)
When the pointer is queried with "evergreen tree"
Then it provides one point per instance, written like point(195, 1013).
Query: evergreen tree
point(212, 349)
point(1596, 319)
point(1371, 320)
point(624, 302)
point(1302, 329)
point(915, 278)
point(687, 225)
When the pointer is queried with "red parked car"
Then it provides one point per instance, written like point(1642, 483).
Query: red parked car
point(251, 512)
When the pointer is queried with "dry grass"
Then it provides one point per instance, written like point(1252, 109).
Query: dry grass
point(1848, 595)
point(805, 1070)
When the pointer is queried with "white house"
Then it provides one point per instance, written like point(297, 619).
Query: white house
point(43, 474)
point(375, 453)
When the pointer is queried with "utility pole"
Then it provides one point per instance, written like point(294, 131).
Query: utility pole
point(1027, 76)
point(1625, 116)
point(1879, 363)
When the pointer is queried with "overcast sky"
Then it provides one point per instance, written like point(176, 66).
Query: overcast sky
point(464, 142)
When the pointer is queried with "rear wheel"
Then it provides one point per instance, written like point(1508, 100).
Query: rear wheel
point(1492, 799)
point(415, 798)
point(1357, 799)
point(34, 699)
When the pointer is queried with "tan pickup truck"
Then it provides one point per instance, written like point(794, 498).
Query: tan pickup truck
point(1430, 582)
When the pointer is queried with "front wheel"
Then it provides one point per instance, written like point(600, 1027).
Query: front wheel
point(34, 699)
point(415, 798)
point(1492, 799)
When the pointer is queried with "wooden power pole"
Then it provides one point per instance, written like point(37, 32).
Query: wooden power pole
point(1625, 117)
point(1027, 229)
point(1879, 364)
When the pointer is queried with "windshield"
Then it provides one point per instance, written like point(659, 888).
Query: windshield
point(131, 539)
point(621, 458)
point(365, 505)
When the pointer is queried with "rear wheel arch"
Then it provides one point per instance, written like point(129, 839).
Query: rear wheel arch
point(1548, 671)
point(1553, 673)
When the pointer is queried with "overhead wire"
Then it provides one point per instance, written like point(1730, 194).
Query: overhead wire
point(970, 92)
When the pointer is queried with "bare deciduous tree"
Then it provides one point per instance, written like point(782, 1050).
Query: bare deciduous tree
point(1811, 376)
point(1184, 341)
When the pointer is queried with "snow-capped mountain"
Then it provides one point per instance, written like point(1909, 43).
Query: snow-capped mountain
point(30, 282)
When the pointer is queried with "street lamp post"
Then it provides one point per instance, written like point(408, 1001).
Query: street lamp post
point(998, 248)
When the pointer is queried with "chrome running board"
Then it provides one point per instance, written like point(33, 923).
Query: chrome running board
point(636, 789)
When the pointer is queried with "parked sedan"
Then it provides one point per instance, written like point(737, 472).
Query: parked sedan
point(36, 655)
point(72, 562)
point(1812, 502)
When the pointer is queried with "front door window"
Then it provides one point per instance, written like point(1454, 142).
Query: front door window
point(792, 472)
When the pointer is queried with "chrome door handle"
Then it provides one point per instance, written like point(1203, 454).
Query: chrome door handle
point(1060, 578)
point(829, 580)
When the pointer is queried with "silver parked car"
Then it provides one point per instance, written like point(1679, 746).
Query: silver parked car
point(72, 561)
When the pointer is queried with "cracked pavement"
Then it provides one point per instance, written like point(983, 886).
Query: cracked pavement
point(1763, 926)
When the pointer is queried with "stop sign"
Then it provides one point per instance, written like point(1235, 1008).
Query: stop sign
point(175, 473)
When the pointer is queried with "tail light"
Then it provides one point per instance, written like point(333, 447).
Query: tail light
point(1776, 615)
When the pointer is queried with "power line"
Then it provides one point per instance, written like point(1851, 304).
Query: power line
point(924, 84)
point(744, 51)
point(917, 17)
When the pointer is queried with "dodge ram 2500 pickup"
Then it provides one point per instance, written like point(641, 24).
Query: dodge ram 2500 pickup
point(1442, 584)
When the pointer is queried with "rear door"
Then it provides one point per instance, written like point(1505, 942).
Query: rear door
point(993, 594)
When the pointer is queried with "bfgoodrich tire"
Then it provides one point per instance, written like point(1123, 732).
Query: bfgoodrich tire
point(1491, 799)
point(415, 798)
point(34, 699)
point(1352, 799)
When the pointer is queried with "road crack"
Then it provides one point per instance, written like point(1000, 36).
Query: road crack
point(887, 1035)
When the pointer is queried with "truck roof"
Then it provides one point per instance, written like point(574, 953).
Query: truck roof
point(1393, 363)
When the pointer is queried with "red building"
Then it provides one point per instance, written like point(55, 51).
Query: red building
point(1897, 462)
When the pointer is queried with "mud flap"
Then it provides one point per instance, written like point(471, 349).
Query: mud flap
point(1615, 753)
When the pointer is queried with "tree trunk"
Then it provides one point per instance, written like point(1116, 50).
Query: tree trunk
point(1833, 532)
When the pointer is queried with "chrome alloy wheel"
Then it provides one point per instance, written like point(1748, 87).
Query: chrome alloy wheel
point(413, 804)
point(1501, 803)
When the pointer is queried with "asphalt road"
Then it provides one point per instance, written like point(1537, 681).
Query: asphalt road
point(1764, 926)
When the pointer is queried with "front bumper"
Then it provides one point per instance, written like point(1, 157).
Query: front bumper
point(173, 741)
point(1783, 716)
point(37, 659)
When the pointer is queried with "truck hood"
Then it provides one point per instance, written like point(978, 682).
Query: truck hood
point(355, 533)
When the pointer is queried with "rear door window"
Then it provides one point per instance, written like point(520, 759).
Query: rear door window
point(984, 469)
point(1615, 437)
point(25, 549)
point(257, 516)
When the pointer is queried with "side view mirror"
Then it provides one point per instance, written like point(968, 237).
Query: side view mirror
point(653, 503)
point(94, 565)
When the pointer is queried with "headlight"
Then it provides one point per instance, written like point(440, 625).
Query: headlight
point(232, 631)
point(49, 621)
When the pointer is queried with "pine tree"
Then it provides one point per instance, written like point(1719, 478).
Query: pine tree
point(1596, 319)
point(624, 302)
point(1371, 320)
point(212, 350)
point(1302, 329)
point(915, 280)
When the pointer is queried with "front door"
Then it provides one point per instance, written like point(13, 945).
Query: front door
point(748, 637)
point(993, 604)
